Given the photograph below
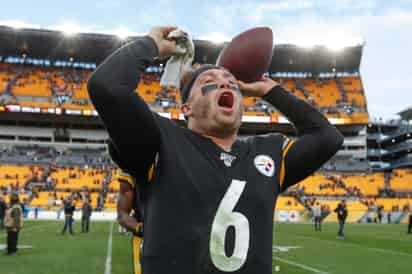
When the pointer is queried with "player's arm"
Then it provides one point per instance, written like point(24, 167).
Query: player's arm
point(127, 118)
point(124, 207)
point(318, 140)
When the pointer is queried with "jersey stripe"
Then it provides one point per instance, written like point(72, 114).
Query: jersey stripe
point(126, 178)
point(136, 244)
point(282, 168)
point(150, 173)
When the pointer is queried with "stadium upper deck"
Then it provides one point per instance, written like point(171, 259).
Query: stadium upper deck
point(46, 72)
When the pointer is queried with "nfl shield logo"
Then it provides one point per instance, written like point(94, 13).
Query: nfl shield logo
point(265, 165)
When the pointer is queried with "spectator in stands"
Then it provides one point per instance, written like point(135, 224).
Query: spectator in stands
point(380, 213)
point(342, 213)
point(13, 222)
point(86, 214)
point(317, 216)
point(69, 209)
point(3, 207)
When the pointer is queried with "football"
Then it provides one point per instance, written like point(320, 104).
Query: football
point(249, 54)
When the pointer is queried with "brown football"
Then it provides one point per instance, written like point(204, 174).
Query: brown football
point(249, 54)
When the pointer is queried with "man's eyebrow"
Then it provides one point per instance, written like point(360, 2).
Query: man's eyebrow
point(206, 74)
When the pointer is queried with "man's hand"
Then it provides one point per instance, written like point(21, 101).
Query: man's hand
point(167, 47)
point(258, 88)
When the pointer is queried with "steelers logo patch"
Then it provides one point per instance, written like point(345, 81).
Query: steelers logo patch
point(265, 165)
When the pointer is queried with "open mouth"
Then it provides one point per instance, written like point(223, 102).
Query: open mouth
point(226, 100)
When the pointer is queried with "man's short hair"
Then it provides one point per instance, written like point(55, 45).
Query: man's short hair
point(189, 78)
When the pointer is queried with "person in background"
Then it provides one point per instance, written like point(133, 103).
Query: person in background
point(36, 213)
point(342, 213)
point(129, 209)
point(69, 209)
point(380, 213)
point(86, 214)
point(3, 207)
point(317, 216)
point(13, 222)
point(410, 220)
point(60, 207)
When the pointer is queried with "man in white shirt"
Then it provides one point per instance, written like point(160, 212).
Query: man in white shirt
point(317, 216)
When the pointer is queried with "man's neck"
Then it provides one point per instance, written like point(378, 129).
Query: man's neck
point(223, 139)
point(224, 143)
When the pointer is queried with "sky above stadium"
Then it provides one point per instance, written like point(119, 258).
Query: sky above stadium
point(384, 26)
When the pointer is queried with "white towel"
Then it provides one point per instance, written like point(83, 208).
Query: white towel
point(180, 62)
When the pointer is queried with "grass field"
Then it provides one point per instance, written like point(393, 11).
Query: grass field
point(297, 249)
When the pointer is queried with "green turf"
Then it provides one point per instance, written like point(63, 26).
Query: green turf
point(366, 249)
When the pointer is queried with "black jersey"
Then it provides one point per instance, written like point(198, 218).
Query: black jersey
point(205, 210)
point(217, 205)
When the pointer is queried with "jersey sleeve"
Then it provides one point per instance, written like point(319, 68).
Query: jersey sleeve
point(317, 139)
point(126, 116)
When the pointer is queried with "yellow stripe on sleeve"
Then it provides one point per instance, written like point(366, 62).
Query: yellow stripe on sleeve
point(282, 167)
point(124, 178)
point(150, 173)
point(137, 241)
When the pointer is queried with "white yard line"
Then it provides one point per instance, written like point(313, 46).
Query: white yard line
point(108, 267)
point(338, 242)
point(305, 267)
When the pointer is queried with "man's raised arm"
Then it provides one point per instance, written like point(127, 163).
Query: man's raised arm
point(127, 118)
point(317, 141)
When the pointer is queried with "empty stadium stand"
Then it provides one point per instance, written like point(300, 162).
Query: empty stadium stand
point(48, 87)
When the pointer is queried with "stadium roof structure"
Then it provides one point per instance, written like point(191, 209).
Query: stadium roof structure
point(406, 114)
point(93, 48)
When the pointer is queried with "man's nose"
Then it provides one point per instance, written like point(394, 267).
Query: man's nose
point(224, 85)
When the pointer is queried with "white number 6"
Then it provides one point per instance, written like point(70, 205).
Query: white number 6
point(226, 217)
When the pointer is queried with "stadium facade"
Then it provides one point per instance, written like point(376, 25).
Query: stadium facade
point(54, 143)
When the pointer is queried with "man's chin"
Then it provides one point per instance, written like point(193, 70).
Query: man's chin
point(228, 123)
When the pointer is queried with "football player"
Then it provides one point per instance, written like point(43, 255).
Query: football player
point(208, 203)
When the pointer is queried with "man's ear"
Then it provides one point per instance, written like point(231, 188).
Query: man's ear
point(186, 110)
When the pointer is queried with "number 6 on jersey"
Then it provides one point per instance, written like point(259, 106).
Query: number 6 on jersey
point(226, 217)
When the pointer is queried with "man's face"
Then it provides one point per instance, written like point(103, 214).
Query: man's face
point(215, 104)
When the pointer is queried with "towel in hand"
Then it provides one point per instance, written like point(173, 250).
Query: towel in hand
point(180, 62)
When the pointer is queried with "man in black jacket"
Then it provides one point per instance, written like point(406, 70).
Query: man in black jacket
point(86, 214)
point(13, 223)
point(3, 207)
point(198, 182)
point(69, 209)
point(342, 213)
